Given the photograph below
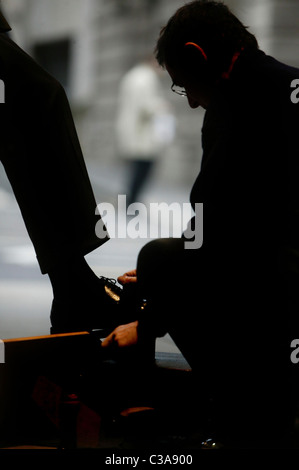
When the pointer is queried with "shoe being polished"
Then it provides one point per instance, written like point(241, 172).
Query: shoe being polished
point(102, 308)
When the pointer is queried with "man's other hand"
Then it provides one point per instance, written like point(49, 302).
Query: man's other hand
point(123, 336)
point(128, 277)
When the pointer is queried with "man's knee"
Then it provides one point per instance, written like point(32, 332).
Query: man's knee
point(162, 250)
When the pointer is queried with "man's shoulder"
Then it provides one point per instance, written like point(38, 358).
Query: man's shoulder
point(259, 68)
point(277, 68)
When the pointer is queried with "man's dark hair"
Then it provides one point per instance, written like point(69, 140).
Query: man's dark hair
point(213, 27)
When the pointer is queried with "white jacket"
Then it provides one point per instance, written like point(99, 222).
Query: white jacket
point(144, 123)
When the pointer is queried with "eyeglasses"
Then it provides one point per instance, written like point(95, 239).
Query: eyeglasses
point(178, 90)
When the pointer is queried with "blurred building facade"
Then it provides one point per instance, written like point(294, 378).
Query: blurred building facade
point(89, 45)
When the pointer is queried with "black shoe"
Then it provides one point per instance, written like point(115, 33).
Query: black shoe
point(100, 308)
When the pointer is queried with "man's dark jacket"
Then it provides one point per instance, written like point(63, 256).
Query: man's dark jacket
point(249, 186)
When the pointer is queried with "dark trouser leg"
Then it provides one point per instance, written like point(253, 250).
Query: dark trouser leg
point(140, 171)
point(42, 157)
point(165, 279)
point(51, 184)
point(232, 336)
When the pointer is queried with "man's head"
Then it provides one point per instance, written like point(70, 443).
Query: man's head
point(198, 43)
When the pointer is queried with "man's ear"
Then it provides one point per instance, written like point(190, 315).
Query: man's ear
point(195, 59)
point(195, 46)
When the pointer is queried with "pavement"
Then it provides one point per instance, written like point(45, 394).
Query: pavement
point(26, 294)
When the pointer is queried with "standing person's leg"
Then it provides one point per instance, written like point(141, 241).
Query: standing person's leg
point(140, 171)
point(43, 160)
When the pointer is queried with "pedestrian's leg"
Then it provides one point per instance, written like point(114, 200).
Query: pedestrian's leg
point(140, 171)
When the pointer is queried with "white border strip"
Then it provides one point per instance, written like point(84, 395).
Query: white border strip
point(2, 352)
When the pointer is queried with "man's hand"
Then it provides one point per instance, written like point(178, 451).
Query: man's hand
point(128, 277)
point(122, 336)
